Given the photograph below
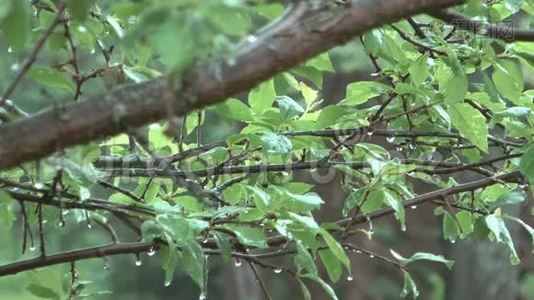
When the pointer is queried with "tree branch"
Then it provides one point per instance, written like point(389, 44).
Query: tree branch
point(304, 32)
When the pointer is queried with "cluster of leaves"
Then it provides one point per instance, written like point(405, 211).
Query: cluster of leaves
point(446, 102)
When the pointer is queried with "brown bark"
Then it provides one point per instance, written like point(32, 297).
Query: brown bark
point(301, 34)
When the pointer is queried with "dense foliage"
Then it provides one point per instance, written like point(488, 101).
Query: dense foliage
point(448, 105)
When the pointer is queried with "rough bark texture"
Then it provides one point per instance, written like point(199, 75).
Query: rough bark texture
point(302, 33)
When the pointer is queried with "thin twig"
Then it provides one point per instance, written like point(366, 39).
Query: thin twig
point(33, 55)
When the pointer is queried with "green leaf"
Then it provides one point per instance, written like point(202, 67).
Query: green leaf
point(419, 70)
point(326, 287)
point(450, 228)
point(304, 259)
point(321, 62)
point(409, 286)
point(289, 108)
point(509, 198)
point(470, 123)
point(422, 256)
point(508, 79)
point(456, 89)
point(7, 216)
point(497, 226)
point(250, 236)
point(336, 248)
point(305, 292)
point(51, 78)
point(396, 204)
point(360, 92)
point(261, 97)
point(192, 262)
point(263, 196)
point(79, 9)
point(46, 283)
point(273, 143)
point(330, 115)
point(16, 25)
point(309, 94)
point(331, 264)
point(308, 201)
point(42, 291)
point(223, 244)
point(235, 110)
point(526, 165)
point(527, 227)
point(169, 259)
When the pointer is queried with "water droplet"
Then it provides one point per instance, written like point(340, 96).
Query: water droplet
point(370, 133)
point(413, 207)
point(411, 146)
point(399, 149)
point(89, 226)
point(32, 248)
point(38, 185)
point(93, 51)
point(9, 50)
point(151, 251)
point(106, 267)
point(138, 262)
point(390, 139)
point(14, 67)
point(167, 283)
point(252, 39)
point(374, 74)
point(523, 186)
point(61, 223)
point(205, 240)
point(358, 251)
point(237, 263)
point(453, 241)
point(277, 270)
point(403, 228)
point(202, 296)
point(350, 278)
point(371, 256)
point(82, 29)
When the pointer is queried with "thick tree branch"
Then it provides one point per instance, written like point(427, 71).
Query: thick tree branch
point(303, 33)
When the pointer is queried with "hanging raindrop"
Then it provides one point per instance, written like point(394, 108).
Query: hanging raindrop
point(371, 256)
point(277, 271)
point(237, 263)
point(138, 261)
point(350, 278)
point(413, 207)
point(151, 251)
point(202, 296)
point(167, 283)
